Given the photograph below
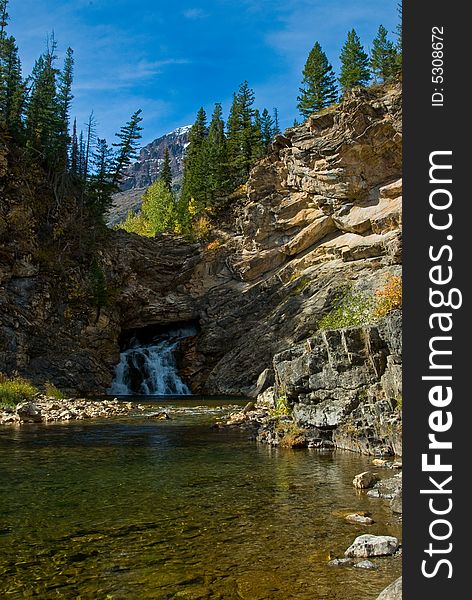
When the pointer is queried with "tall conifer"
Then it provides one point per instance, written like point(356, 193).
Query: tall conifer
point(12, 89)
point(43, 123)
point(216, 153)
point(127, 147)
point(100, 186)
point(64, 100)
point(243, 135)
point(354, 64)
point(194, 180)
point(267, 128)
point(318, 85)
point(383, 56)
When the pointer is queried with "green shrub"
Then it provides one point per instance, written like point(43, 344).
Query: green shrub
point(281, 407)
point(351, 310)
point(355, 309)
point(15, 389)
point(52, 391)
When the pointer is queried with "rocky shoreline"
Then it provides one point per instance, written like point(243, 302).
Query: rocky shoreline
point(44, 409)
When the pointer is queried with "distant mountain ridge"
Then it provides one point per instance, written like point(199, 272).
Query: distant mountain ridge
point(141, 174)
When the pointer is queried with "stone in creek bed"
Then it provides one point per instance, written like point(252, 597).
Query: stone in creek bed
point(341, 562)
point(396, 503)
point(367, 545)
point(29, 412)
point(380, 462)
point(387, 488)
point(161, 416)
point(365, 480)
point(392, 592)
point(365, 564)
point(359, 519)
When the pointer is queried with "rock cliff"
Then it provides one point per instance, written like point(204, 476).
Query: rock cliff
point(320, 213)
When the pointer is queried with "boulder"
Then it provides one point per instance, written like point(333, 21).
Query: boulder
point(387, 488)
point(396, 503)
point(392, 592)
point(367, 545)
point(29, 412)
point(365, 480)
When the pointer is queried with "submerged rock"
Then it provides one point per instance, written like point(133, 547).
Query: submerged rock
point(365, 564)
point(359, 519)
point(341, 562)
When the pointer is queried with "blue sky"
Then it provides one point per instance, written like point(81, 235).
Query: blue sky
point(169, 58)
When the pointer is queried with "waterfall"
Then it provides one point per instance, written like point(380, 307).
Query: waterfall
point(151, 368)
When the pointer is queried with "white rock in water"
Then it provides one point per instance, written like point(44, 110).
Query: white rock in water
point(365, 564)
point(393, 591)
point(365, 480)
point(367, 545)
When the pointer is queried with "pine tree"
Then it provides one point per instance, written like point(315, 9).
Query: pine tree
point(318, 85)
point(383, 56)
point(194, 180)
point(234, 144)
point(3, 17)
point(64, 99)
point(166, 173)
point(267, 128)
point(258, 146)
point(90, 136)
point(276, 123)
point(74, 151)
point(399, 34)
point(243, 135)
point(12, 90)
point(43, 125)
point(81, 156)
point(129, 136)
point(250, 130)
point(354, 64)
point(216, 155)
point(100, 186)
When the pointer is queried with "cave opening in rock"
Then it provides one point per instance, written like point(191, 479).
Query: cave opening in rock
point(149, 360)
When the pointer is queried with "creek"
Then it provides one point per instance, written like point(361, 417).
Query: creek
point(137, 508)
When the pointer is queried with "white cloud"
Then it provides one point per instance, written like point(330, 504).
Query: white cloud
point(194, 13)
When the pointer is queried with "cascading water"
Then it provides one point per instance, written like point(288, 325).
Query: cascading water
point(150, 368)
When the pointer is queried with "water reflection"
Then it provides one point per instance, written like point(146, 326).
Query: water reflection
point(143, 509)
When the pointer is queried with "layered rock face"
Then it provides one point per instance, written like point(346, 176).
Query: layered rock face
point(347, 384)
point(320, 213)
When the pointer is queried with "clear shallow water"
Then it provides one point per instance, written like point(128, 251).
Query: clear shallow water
point(143, 509)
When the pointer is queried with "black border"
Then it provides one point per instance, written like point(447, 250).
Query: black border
point(428, 128)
